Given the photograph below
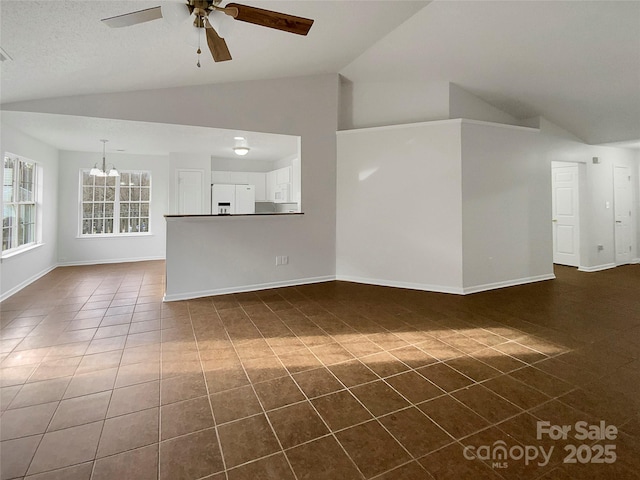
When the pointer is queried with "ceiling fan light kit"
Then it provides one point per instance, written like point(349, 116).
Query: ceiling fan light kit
point(201, 9)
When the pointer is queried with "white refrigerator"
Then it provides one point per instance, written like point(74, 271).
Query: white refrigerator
point(233, 199)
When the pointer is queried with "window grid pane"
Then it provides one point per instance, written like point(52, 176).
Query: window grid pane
point(98, 202)
point(7, 184)
point(26, 186)
point(8, 223)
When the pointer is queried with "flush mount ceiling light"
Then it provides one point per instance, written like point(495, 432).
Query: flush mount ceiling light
point(242, 147)
point(104, 173)
point(242, 151)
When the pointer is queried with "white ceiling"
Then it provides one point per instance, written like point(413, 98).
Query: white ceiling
point(83, 134)
point(61, 48)
point(576, 63)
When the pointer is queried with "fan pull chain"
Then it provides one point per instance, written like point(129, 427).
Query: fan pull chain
point(199, 50)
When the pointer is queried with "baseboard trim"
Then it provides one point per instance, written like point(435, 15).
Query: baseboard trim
point(26, 283)
point(635, 260)
point(107, 261)
point(597, 268)
point(409, 285)
point(508, 283)
point(246, 288)
point(446, 289)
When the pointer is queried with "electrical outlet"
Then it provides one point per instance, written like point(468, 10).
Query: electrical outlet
point(282, 260)
point(600, 248)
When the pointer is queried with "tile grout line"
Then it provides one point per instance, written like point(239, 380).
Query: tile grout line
point(206, 385)
point(273, 431)
point(113, 387)
point(160, 379)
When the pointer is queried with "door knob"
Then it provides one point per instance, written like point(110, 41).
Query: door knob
point(554, 220)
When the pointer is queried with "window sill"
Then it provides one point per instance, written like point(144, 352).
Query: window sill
point(20, 251)
point(115, 235)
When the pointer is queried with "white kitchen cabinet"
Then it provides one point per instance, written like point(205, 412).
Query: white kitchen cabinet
point(240, 178)
point(278, 185)
point(283, 175)
point(221, 177)
point(271, 186)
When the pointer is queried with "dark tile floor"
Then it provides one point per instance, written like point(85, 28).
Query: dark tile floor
point(101, 380)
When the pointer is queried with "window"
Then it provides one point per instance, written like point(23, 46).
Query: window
point(18, 203)
point(115, 205)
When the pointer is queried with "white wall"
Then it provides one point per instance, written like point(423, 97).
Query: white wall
point(463, 104)
point(636, 154)
point(506, 209)
point(370, 104)
point(600, 197)
point(73, 250)
point(238, 164)
point(399, 206)
point(454, 206)
point(377, 103)
point(18, 271)
point(296, 182)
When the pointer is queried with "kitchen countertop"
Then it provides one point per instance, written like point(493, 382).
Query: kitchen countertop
point(236, 215)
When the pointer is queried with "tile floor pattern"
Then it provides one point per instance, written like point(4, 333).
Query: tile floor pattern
point(101, 380)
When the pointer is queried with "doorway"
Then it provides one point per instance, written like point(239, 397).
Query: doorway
point(565, 184)
point(622, 212)
point(190, 191)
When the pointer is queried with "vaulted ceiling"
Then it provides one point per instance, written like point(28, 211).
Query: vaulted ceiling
point(576, 63)
point(62, 48)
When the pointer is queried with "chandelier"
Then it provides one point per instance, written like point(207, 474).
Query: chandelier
point(103, 173)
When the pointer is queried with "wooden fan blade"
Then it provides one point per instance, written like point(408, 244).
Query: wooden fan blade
point(217, 45)
point(267, 18)
point(133, 18)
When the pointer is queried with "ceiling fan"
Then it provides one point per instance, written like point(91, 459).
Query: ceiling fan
point(201, 9)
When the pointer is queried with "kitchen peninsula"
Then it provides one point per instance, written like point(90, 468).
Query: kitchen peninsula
point(221, 254)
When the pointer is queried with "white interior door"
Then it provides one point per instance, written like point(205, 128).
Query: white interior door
point(622, 212)
point(566, 214)
point(190, 192)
